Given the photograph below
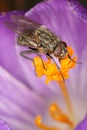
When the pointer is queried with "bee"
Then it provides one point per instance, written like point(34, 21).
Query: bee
point(37, 38)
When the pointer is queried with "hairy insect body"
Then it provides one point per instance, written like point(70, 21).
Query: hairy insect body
point(41, 39)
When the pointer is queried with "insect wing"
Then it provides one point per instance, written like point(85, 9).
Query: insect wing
point(19, 24)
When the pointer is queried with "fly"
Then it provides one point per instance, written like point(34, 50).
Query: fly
point(38, 39)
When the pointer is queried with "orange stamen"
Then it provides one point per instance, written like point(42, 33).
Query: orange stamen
point(50, 69)
point(38, 122)
point(57, 114)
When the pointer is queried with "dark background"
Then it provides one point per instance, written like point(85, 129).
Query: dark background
point(8, 5)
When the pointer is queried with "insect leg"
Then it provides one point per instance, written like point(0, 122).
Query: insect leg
point(24, 54)
point(48, 55)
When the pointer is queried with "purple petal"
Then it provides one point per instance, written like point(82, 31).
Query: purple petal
point(18, 104)
point(82, 125)
point(8, 57)
point(78, 9)
point(4, 125)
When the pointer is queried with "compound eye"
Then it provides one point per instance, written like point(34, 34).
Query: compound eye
point(58, 51)
point(63, 44)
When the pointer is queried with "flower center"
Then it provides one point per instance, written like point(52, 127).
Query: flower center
point(50, 70)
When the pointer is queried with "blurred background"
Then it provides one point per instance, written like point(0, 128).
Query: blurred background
point(8, 5)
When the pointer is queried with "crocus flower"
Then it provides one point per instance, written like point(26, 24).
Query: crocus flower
point(26, 101)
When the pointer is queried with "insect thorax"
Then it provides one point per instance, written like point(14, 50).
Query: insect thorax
point(41, 38)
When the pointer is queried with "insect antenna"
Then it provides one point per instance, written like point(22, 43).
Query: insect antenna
point(73, 60)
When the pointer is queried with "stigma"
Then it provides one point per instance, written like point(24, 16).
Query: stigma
point(50, 70)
